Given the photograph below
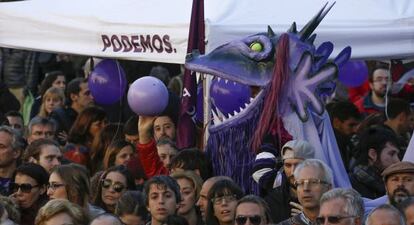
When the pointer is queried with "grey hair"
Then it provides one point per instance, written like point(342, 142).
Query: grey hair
point(389, 208)
point(354, 204)
point(40, 120)
point(17, 142)
point(316, 163)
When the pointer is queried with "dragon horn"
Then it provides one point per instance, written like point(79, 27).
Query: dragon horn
point(292, 28)
point(314, 22)
point(270, 32)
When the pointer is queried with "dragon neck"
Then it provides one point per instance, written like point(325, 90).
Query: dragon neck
point(269, 118)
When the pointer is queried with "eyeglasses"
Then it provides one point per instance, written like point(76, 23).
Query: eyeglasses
point(25, 188)
point(382, 79)
point(227, 198)
point(118, 187)
point(54, 186)
point(309, 182)
point(332, 219)
point(255, 220)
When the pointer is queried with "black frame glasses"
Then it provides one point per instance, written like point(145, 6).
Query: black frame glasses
point(255, 219)
point(25, 187)
point(116, 186)
point(332, 219)
point(54, 186)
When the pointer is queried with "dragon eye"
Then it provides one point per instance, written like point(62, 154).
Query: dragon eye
point(256, 46)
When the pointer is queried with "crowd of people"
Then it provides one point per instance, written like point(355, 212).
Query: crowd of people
point(70, 160)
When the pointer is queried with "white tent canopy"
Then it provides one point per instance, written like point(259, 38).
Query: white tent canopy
point(157, 30)
point(153, 30)
point(373, 28)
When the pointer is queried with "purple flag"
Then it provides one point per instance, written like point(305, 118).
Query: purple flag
point(186, 128)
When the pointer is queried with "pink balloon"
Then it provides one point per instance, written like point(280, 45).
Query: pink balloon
point(148, 96)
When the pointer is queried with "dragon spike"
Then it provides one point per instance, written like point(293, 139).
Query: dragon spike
point(292, 28)
point(311, 39)
point(270, 32)
point(314, 22)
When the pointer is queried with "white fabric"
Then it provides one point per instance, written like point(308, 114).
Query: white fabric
point(373, 28)
point(78, 26)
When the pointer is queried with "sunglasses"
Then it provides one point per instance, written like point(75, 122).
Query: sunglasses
point(255, 220)
point(332, 219)
point(118, 187)
point(25, 188)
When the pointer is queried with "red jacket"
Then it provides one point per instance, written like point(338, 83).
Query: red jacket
point(150, 160)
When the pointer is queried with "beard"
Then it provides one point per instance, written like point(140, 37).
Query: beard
point(399, 195)
point(381, 92)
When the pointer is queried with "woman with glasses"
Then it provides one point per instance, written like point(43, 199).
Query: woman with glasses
point(29, 190)
point(223, 196)
point(113, 183)
point(71, 182)
point(190, 186)
point(254, 209)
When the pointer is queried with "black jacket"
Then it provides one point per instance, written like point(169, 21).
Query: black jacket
point(19, 68)
point(278, 200)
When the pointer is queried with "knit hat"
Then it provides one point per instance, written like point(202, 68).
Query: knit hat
point(300, 150)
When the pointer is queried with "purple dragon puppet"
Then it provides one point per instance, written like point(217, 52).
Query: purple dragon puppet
point(291, 74)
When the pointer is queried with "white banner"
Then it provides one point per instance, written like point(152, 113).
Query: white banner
point(153, 30)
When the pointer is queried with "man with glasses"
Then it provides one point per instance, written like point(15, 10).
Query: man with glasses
point(341, 206)
point(379, 79)
point(312, 178)
point(253, 210)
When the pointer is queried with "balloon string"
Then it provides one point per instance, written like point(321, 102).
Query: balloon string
point(120, 102)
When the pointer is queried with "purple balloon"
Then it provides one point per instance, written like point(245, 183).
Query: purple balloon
point(229, 97)
point(148, 96)
point(107, 82)
point(353, 73)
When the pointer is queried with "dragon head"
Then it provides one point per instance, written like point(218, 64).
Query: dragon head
point(254, 61)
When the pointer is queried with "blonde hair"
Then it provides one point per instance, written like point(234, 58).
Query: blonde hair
point(58, 206)
point(52, 92)
point(191, 176)
point(11, 207)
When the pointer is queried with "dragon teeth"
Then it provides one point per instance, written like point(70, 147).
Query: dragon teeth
point(225, 80)
point(218, 79)
point(216, 119)
point(219, 113)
